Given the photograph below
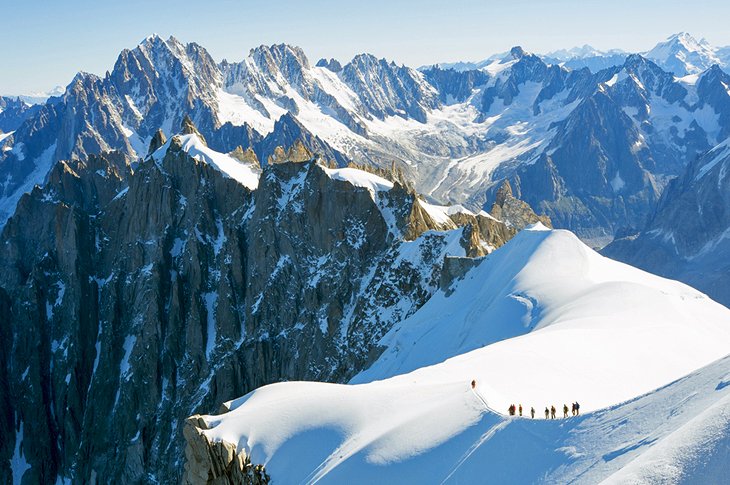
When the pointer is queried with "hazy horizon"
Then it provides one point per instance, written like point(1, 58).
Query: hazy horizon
point(41, 52)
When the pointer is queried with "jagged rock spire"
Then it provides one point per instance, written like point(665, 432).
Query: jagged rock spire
point(246, 156)
point(298, 152)
point(189, 128)
point(513, 211)
point(504, 192)
point(158, 139)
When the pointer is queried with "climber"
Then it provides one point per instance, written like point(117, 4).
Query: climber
point(473, 384)
point(577, 408)
point(532, 412)
point(572, 409)
point(511, 409)
point(565, 410)
point(547, 412)
point(520, 409)
point(552, 412)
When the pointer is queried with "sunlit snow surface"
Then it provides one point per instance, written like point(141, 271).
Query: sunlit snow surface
point(360, 178)
point(542, 321)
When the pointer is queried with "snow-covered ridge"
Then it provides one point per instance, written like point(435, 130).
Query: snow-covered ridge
point(559, 298)
point(542, 321)
point(244, 173)
point(360, 178)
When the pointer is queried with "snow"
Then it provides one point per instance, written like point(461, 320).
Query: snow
point(235, 109)
point(18, 464)
point(360, 178)
point(544, 320)
point(719, 153)
point(211, 303)
point(689, 79)
point(617, 183)
point(3, 136)
point(178, 246)
point(684, 54)
point(612, 81)
point(121, 193)
point(128, 346)
point(244, 173)
point(441, 213)
point(486, 214)
point(139, 145)
point(498, 65)
point(42, 165)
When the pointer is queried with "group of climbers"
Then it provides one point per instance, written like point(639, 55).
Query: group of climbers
point(549, 412)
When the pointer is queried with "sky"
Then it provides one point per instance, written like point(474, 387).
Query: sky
point(43, 43)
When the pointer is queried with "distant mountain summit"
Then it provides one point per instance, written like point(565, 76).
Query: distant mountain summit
point(682, 54)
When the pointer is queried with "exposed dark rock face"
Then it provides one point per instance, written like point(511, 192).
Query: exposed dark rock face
point(158, 139)
point(455, 86)
point(131, 300)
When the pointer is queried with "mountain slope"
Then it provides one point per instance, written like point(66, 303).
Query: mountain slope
point(541, 321)
point(130, 299)
point(686, 238)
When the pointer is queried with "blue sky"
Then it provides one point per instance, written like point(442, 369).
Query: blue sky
point(44, 43)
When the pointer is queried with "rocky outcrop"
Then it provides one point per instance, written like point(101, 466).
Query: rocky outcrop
point(513, 211)
point(454, 269)
point(216, 462)
point(245, 156)
point(158, 139)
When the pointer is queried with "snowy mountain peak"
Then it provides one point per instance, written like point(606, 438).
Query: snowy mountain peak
point(687, 41)
point(682, 54)
point(150, 39)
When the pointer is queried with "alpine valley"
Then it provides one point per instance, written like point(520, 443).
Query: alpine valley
point(180, 237)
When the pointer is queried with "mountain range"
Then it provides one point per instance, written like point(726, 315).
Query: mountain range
point(591, 150)
point(680, 54)
point(179, 232)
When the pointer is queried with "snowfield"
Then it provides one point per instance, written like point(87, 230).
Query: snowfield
point(542, 321)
